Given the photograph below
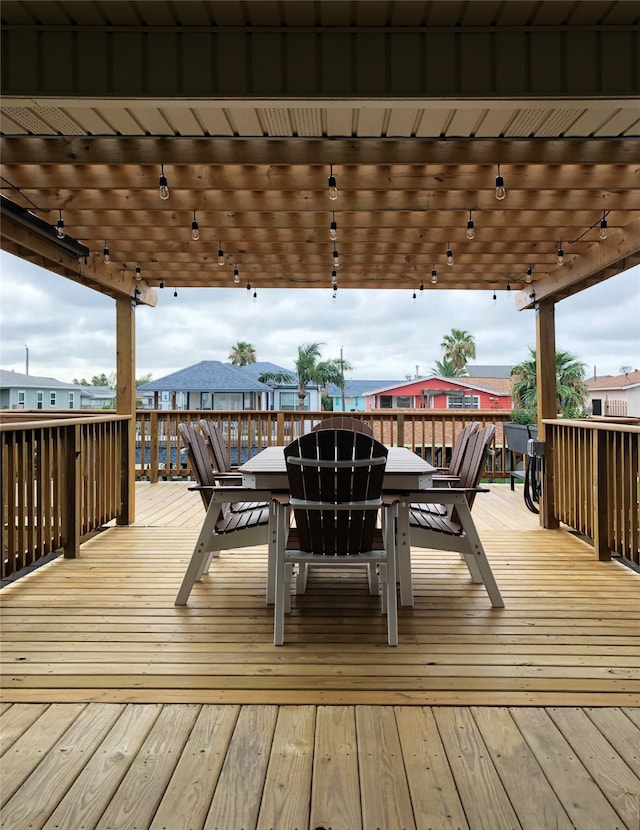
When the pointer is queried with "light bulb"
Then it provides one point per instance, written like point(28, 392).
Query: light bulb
point(220, 256)
point(236, 275)
point(336, 258)
point(161, 283)
point(470, 228)
point(495, 296)
point(413, 298)
point(529, 275)
point(434, 276)
point(138, 273)
point(60, 227)
point(255, 297)
point(508, 286)
point(449, 255)
point(195, 230)
point(334, 277)
point(248, 288)
point(500, 189)
point(603, 228)
point(175, 292)
point(163, 185)
point(105, 254)
point(560, 259)
point(333, 230)
point(333, 187)
point(421, 288)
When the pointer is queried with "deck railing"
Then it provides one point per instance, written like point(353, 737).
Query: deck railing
point(596, 479)
point(62, 477)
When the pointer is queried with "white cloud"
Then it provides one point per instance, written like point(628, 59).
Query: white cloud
point(70, 329)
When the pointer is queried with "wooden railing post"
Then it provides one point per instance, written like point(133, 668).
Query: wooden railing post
point(280, 428)
point(601, 512)
point(153, 448)
point(72, 512)
point(400, 428)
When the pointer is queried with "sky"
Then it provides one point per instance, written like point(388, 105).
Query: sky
point(69, 330)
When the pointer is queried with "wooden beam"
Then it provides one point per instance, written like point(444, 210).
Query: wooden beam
point(126, 401)
point(547, 404)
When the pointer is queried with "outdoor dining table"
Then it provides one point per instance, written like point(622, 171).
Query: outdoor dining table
point(405, 472)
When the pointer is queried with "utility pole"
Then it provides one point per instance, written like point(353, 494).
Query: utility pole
point(342, 373)
point(26, 348)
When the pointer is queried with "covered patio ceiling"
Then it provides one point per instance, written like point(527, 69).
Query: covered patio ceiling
point(86, 139)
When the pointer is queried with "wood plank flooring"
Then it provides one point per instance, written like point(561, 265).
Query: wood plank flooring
point(122, 712)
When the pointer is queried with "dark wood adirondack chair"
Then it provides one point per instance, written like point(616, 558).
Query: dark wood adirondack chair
point(451, 527)
point(451, 476)
point(230, 522)
point(335, 480)
point(343, 422)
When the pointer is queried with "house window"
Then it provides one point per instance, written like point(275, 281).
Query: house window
point(71, 400)
point(52, 399)
point(386, 402)
point(227, 400)
point(21, 399)
point(289, 401)
point(404, 402)
point(463, 402)
point(39, 400)
point(205, 400)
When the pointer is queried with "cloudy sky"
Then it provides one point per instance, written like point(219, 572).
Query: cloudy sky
point(70, 330)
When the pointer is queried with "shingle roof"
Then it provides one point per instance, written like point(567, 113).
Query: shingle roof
point(480, 370)
point(354, 388)
point(214, 376)
point(625, 381)
point(497, 386)
point(11, 380)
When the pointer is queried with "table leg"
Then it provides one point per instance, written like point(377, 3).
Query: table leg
point(403, 554)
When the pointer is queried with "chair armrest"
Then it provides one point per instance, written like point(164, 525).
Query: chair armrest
point(445, 478)
point(442, 495)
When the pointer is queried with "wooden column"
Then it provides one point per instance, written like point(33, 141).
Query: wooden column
point(547, 403)
point(126, 401)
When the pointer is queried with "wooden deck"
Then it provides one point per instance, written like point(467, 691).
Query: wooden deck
point(122, 711)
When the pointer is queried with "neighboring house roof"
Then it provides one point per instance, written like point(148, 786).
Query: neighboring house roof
point(495, 386)
point(262, 367)
point(479, 370)
point(16, 380)
point(615, 382)
point(356, 388)
point(213, 375)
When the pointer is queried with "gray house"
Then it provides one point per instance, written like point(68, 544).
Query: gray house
point(20, 391)
point(212, 384)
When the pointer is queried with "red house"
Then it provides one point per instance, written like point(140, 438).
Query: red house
point(443, 393)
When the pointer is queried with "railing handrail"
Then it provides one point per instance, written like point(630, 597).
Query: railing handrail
point(46, 422)
point(605, 425)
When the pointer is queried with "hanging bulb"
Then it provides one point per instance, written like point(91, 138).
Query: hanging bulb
point(413, 298)
point(336, 258)
point(236, 275)
point(248, 287)
point(255, 297)
point(529, 275)
point(500, 189)
point(560, 259)
point(138, 273)
point(60, 226)
point(603, 226)
point(495, 296)
point(508, 286)
point(105, 253)
point(175, 292)
point(449, 255)
point(161, 284)
point(333, 187)
point(470, 229)
point(162, 184)
point(333, 229)
point(334, 277)
point(421, 288)
point(195, 230)
point(434, 275)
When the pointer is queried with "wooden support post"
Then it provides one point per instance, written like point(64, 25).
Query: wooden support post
point(72, 511)
point(601, 513)
point(126, 402)
point(547, 404)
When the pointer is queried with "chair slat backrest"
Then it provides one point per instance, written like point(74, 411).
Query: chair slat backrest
point(342, 468)
point(343, 422)
point(199, 460)
point(460, 445)
point(217, 446)
point(474, 459)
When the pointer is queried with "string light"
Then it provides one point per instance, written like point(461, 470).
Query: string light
point(336, 258)
point(470, 228)
point(161, 284)
point(508, 286)
point(248, 287)
point(333, 229)
point(500, 189)
point(138, 273)
point(220, 254)
point(333, 187)
point(560, 256)
point(60, 226)
point(236, 275)
point(163, 185)
point(603, 226)
point(255, 297)
point(195, 231)
point(529, 275)
point(495, 296)
point(434, 275)
point(175, 293)
point(105, 253)
point(449, 255)
point(421, 288)
point(334, 277)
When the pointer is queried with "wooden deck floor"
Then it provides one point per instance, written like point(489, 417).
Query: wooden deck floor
point(121, 711)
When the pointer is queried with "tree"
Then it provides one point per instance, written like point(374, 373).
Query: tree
point(311, 370)
point(242, 354)
point(570, 386)
point(144, 379)
point(458, 347)
point(445, 369)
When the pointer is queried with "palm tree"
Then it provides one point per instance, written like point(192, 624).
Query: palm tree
point(571, 389)
point(242, 354)
point(445, 369)
point(458, 347)
point(311, 370)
